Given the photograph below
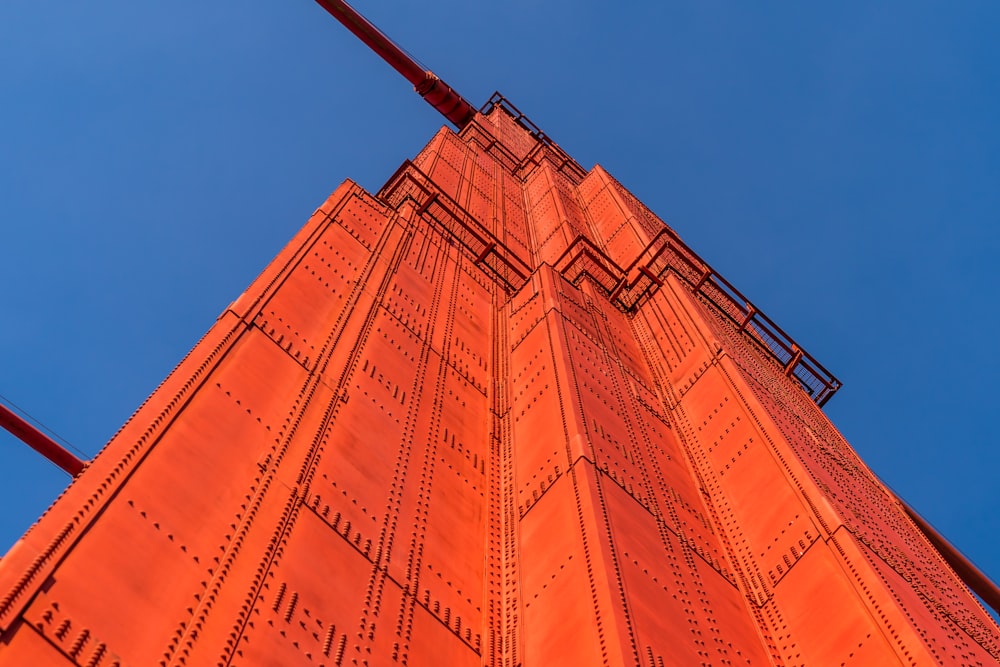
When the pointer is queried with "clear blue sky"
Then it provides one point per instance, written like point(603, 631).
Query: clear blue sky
point(839, 163)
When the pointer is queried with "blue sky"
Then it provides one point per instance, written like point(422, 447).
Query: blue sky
point(838, 164)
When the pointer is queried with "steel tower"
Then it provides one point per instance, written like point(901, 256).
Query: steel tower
point(496, 413)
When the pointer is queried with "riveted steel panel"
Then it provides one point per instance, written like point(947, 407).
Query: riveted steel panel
point(539, 420)
point(310, 610)
point(563, 582)
point(804, 637)
point(682, 611)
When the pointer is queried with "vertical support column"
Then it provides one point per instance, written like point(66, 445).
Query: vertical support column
point(788, 546)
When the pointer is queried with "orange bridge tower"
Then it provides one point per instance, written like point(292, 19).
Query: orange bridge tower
point(496, 413)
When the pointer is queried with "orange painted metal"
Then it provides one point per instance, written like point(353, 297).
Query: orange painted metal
point(446, 427)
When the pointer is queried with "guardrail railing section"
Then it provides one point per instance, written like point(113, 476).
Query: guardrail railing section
point(409, 183)
point(544, 150)
point(629, 287)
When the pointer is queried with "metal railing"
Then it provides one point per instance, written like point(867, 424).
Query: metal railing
point(409, 183)
point(628, 288)
point(545, 148)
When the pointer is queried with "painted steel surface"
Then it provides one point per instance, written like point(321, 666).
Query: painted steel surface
point(440, 429)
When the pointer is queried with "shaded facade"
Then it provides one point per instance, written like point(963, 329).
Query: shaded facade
point(495, 414)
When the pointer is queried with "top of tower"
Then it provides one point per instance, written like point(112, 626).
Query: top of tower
point(624, 284)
